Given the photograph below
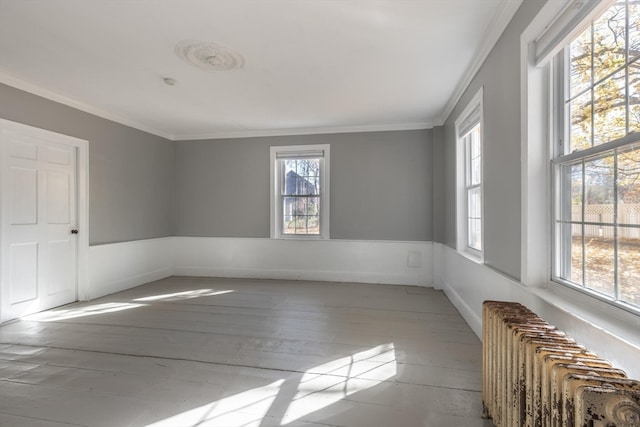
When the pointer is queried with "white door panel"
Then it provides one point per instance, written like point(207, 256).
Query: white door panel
point(59, 268)
point(57, 156)
point(58, 197)
point(23, 279)
point(21, 148)
point(39, 210)
point(23, 195)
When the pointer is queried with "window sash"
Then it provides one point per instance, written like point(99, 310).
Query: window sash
point(474, 217)
point(469, 163)
point(589, 235)
point(288, 199)
point(299, 203)
point(473, 179)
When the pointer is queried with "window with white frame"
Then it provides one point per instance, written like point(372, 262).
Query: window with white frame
point(300, 191)
point(596, 157)
point(469, 179)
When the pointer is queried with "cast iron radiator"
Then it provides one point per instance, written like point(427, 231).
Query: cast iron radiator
point(534, 375)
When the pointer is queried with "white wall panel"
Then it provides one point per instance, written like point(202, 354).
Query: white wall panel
point(327, 260)
point(118, 266)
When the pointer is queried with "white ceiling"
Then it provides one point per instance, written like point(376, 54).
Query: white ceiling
point(311, 66)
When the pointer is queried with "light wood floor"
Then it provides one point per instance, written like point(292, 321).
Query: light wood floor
point(229, 352)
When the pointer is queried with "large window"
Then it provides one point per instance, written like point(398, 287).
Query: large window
point(469, 179)
point(300, 191)
point(597, 158)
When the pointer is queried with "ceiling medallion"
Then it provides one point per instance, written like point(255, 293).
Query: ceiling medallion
point(209, 56)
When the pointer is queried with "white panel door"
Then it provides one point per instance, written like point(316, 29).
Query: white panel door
point(39, 246)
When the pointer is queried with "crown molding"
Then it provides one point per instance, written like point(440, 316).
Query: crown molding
point(34, 89)
point(304, 131)
point(505, 11)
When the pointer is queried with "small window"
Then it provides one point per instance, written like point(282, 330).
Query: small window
point(597, 158)
point(469, 179)
point(300, 192)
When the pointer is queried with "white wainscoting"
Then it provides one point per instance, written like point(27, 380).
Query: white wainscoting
point(324, 260)
point(603, 329)
point(115, 267)
point(118, 266)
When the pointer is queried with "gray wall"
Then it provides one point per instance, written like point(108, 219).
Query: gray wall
point(381, 185)
point(500, 77)
point(130, 172)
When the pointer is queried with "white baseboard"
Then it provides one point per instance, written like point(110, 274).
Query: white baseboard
point(322, 260)
point(473, 319)
point(118, 266)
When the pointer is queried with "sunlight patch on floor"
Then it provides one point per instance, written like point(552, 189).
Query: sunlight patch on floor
point(317, 388)
point(242, 409)
point(72, 313)
point(328, 383)
point(176, 296)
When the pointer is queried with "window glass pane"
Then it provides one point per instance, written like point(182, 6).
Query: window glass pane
point(634, 30)
point(599, 195)
point(290, 167)
point(629, 265)
point(474, 235)
point(629, 185)
point(634, 94)
point(576, 192)
point(609, 41)
point(475, 160)
point(570, 208)
point(301, 215)
point(290, 207)
point(312, 205)
point(302, 177)
point(313, 224)
point(600, 259)
point(581, 115)
point(609, 105)
point(580, 64)
point(574, 248)
point(289, 225)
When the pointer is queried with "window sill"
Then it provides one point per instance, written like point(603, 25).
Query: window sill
point(300, 237)
point(597, 313)
point(472, 255)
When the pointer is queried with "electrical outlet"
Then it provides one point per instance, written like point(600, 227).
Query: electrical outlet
point(414, 259)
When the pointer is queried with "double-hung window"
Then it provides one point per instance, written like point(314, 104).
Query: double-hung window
point(596, 158)
point(469, 179)
point(300, 191)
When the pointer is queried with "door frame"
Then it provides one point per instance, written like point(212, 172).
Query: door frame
point(82, 198)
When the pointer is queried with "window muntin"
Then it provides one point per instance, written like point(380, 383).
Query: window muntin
point(597, 170)
point(300, 192)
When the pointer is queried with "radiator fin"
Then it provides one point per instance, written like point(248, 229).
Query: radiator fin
point(534, 375)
